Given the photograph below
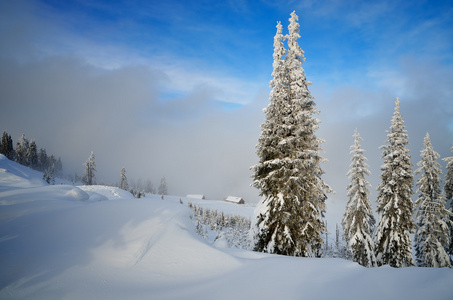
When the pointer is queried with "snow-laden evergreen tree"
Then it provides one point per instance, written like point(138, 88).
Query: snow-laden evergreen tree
point(3, 143)
point(6, 146)
point(52, 161)
point(149, 188)
point(432, 236)
point(163, 189)
point(43, 160)
point(58, 168)
point(32, 155)
point(89, 177)
point(49, 174)
point(124, 185)
point(289, 217)
point(448, 188)
point(21, 150)
point(269, 209)
point(358, 220)
point(393, 244)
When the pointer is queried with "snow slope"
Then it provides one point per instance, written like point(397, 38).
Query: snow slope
point(97, 242)
point(13, 175)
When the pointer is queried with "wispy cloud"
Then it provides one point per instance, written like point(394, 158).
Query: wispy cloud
point(177, 90)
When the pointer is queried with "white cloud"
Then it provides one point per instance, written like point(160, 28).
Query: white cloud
point(161, 115)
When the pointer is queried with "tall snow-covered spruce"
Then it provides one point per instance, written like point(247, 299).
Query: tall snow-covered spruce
point(448, 188)
point(163, 189)
point(21, 150)
point(289, 218)
point(432, 236)
point(6, 146)
point(358, 220)
point(124, 185)
point(395, 207)
point(89, 177)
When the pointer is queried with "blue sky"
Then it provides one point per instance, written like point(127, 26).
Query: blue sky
point(177, 88)
point(338, 36)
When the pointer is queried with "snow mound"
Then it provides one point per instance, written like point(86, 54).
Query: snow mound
point(77, 194)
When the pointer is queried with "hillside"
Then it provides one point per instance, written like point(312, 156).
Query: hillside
point(98, 242)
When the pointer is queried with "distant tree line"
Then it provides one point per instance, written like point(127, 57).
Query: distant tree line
point(138, 189)
point(27, 154)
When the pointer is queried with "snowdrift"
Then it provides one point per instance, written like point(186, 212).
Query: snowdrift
point(97, 242)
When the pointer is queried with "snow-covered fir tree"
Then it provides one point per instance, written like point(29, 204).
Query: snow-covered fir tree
point(289, 218)
point(395, 207)
point(149, 188)
point(358, 220)
point(51, 165)
point(432, 236)
point(124, 185)
point(163, 189)
point(49, 174)
point(21, 150)
point(59, 167)
point(32, 155)
point(43, 160)
point(448, 188)
point(6, 146)
point(89, 177)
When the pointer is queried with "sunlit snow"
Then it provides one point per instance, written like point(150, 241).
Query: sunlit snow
point(98, 242)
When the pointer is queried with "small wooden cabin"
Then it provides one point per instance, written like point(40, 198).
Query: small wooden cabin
point(233, 199)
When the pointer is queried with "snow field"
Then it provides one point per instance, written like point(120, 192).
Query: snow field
point(97, 242)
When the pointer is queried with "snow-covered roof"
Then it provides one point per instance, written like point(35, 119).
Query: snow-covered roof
point(194, 196)
point(234, 199)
